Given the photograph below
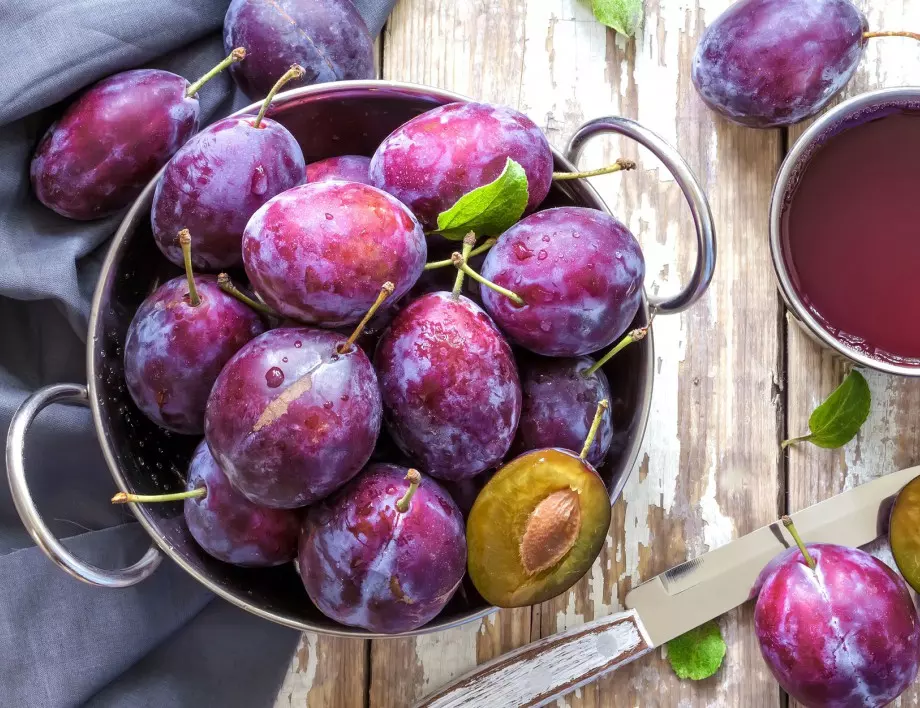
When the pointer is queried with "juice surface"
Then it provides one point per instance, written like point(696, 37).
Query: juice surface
point(851, 237)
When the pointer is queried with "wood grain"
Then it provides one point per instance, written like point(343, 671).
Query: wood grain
point(890, 439)
point(325, 672)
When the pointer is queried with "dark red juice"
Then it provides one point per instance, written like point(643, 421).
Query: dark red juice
point(851, 237)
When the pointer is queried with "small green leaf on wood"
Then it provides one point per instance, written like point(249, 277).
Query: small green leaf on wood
point(488, 210)
point(624, 16)
point(697, 654)
point(836, 421)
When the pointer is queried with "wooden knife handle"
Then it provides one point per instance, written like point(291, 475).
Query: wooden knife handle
point(542, 671)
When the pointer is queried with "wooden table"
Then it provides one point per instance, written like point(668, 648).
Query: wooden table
point(733, 378)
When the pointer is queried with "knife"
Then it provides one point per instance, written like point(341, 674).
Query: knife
point(668, 605)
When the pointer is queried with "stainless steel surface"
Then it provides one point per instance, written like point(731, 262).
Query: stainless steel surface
point(31, 517)
point(706, 587)
point(690, 186)
point(795, 162)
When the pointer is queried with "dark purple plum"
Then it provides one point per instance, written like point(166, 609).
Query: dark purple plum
point(319, 253)
point(465, 491)
point(113, 139)
point(437, 157)
point(327, 38)
point(450, 386)
point(218, 180)
point(386, 553)
point(229, 526)
point(580, 273)
point(559, 403)
point(291, 418)
point(769, 63)
point(350, 168)
point(175, 349)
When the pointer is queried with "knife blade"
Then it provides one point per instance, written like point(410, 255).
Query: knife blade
point(668, 605)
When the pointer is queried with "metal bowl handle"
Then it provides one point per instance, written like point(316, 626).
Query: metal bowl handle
point(699, 206)
point(28, 512)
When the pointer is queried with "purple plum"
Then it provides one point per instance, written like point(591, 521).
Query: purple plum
point(769, 63)
point(349, 168)
point(230, 527)
point(327, 38)
point(217, 181)
point(465, 491)
point(175, 349)
point(450, 386)
point(437, 157)
point(580, 273)
point(319, 253)
point(292, 417)
point(842, 634)
point(386, 553)
point(113, 139)
point(559, 403)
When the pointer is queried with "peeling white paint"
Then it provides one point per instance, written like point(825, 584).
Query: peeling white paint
point(872, 453)
point(446, 655)
point(298, 683)
point(718, 529)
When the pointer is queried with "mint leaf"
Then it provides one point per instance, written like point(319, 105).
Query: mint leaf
point(697, 654)
point(488, 210)
point(622, 15)
point(836, 421)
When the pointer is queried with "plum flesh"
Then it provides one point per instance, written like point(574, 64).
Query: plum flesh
point(349, 168)
point(216, 182)
point(290, 419)
point(367, 564)
point(769, 63)
point(437, 157)
point(230, 527)
point(843, 634)
point(580, 273)
point(450, 386)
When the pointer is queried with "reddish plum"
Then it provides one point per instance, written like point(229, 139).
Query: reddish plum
point(175, 349)
point(437, 157)
point(292, 416)
point(450, 386)
point(386, 553)
point(218, 180)
point(350, 168)
point(326, 37)
point(113, 139)
point(559, 403)
point(842, 634)
point(579, 272)
point(229, 526)
point(319, 253)
point(769, 63)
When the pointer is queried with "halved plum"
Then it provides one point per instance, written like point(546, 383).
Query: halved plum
point(904, 532)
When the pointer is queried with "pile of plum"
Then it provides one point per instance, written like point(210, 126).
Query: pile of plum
point(356, 401)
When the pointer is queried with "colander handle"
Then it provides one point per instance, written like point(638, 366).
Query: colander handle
point(28, 512)
point(696, 198)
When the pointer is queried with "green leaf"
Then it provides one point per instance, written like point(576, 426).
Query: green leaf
point(488, 210)
point(697, 654)
point(836, 421)
point(622, 15)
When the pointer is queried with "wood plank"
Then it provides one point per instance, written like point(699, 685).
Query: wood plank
point(474, 48)
point(890, 439)
point(325, 672)
point(710, 469)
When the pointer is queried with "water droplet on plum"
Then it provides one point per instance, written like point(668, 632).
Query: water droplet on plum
point(541, 256)
point(521, 251)
point(298, 344)
point(274, 377)
point(329, 216)
point(259, 184)
point(546, 239)
point(328, 405)
point(284, 359)
point(545, 326)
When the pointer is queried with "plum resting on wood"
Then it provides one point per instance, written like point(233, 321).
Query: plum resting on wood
point(327, 38)
point(385, 553)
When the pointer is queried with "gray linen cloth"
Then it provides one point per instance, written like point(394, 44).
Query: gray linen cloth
point(168, 641)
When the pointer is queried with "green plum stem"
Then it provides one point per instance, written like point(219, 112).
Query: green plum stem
point(637, 335)
point(621, 165)
point(225, 284)
point(295, 72)
point(468, 242)
point(787, 522)
point(385, 292)
point(792, 441)
point(125, 498)
point(415, 478)
point(595, 424)
point(185, 241)
point(482, 248)
point(236, 55)
point(909, 35)
point(459, 261)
